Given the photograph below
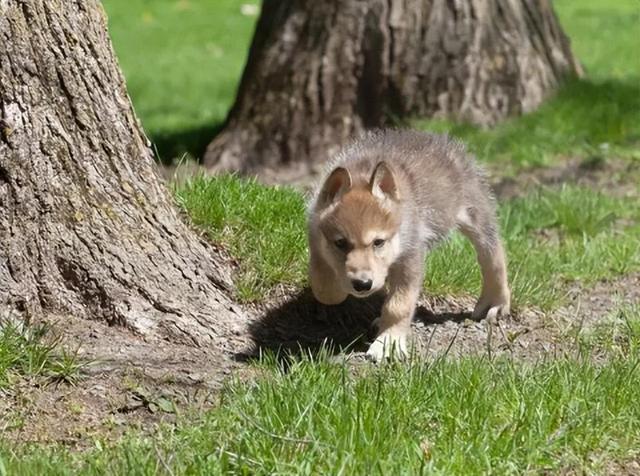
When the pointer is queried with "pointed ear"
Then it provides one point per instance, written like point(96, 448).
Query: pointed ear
point(383, 183)
point(336, 185)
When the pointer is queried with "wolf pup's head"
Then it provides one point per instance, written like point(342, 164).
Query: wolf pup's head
point(359, 226)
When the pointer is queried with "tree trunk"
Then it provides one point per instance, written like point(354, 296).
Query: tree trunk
point(86, 227)
point(318, 72)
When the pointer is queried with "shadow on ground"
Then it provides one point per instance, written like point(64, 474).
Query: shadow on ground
point(301, 325)
point(171, 146)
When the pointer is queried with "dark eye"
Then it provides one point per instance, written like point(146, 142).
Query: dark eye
point(377, 243)
point(341, 244)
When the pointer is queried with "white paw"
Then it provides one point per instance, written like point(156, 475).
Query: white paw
point(389, 344)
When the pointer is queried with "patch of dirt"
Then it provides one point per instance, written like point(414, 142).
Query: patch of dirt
point(300, 325)
point(629, 467)
point(590, 305)
point(616, 177)
point(127, 382)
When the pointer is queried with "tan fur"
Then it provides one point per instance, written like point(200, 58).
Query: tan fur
point(391, 197)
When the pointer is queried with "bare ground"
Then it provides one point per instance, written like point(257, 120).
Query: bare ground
point(616, 177)
point(131, 382)
point(126, 382)
point(443, 325)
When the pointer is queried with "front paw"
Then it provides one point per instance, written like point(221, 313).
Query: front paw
point(389, 344)
point(492, 307)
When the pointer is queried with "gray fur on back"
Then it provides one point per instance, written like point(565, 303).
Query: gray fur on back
point(438, 179)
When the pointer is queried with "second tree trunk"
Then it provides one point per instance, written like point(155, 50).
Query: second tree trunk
point(318, 72)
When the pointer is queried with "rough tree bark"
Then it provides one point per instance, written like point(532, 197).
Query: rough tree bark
point(86, 227)
point(319, 72)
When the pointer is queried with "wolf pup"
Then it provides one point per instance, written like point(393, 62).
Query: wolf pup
point(388, 199)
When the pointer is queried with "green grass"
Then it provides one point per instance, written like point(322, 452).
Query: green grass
point(311, 416)
point(585, 119)
point(32, 351)
point(613, 334)
point(263, 227)
point(182, 60)
point(603, 36)
point(553, 237)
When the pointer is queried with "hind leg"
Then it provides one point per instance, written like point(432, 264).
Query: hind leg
point(480, 227)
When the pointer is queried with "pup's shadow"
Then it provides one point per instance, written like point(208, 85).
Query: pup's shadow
point(302, 325)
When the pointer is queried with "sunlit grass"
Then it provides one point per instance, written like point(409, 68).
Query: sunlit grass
point(182, 60)
point(553, 237)
point(34, 351)
point(315, 416)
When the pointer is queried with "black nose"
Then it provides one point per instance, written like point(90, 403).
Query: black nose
point(360, 286)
